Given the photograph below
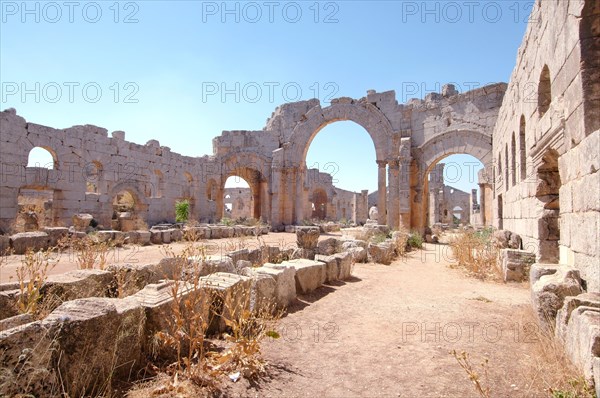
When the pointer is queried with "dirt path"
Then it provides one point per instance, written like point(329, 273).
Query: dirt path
point(388, 333)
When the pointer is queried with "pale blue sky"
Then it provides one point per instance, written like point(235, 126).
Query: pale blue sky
point(158, 69)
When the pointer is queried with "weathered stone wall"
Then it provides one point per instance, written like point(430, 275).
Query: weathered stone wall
point(546, 139)
point(154, 175)
point(240, 200)
point(92, 169)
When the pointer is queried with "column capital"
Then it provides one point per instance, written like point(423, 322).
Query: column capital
point(381, 163)
point(394, 163)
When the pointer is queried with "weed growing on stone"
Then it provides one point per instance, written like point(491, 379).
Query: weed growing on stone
point(89, 253)
point(31, 275)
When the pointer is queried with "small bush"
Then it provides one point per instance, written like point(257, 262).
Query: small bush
point(476, 252)
point(32, 274)
point(227, 221)
point(182, 210)
point(415, 240)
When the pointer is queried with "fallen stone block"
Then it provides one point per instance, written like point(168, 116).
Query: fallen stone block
point(359, 254)
point(4, 244)
point(285, 282)
point(82, 221)
point(29, 240)
point(158, 302)
point(331, 267)
point(156, 237)
point(382, 253)
point(344, 262)
point(166, 236)
point(55, 234)
point(8, 303)
point(97, 339)
point(238, 255)
point(15, 321)
point(310, 275)
point(212, 264)
point(28, 354)
point(229, 294)
point(516, 264)
point(571, 303)
point(176, 235)
point(328, 246)
point(550, 290)
point(307, 237)
point(131, 278)
point(582, 343)
point(78, 284)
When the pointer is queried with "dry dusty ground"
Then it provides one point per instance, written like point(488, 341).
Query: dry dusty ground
point(388, 333)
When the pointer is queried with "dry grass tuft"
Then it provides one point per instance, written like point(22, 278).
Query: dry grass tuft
point(89, 253)
point(32, 274)
point(476, 252)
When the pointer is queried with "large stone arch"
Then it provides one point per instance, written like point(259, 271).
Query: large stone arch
point(362, 113)
point(255, 169)
point(141, 205)
point(476, 144)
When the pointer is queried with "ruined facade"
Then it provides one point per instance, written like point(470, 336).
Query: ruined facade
point(448, 205)
point(546, 141)
point(91, 168)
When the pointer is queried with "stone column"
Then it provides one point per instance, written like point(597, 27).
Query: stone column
point(393, 214)
point(299, 199)
point(381, 192)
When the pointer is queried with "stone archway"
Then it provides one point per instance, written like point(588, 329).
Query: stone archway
point(126, 198)
point(255, 170)
point(468, 142)
point(362, 113)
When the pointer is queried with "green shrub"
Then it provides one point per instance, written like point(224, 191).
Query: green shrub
point(415, 240)
point(182, 210)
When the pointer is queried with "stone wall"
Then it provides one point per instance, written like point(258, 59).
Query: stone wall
point(546, 139)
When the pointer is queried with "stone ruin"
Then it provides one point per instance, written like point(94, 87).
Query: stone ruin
point(537, 136)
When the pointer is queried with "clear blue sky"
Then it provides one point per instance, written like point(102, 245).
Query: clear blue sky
point(160, 70)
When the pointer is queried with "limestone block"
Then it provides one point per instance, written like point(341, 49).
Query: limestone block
point(131, 278)
point(310, 274)
point(359, 254)
point(4, 244)
point(331, 267)
point(238, 255)
point(141, 238)
point(55, 234)
point(78, 284)
point(229, 295)
point(95, 337)
point(307, 237)
point(158, 303)
point(166, 235)
point(27, 355)
point(582, 342)
point(104, 236)
point(516, 264)
point(563, 316)
point(212, 264)
point(29, 240)
point(8, 299)
point(82, 221)
point(15, 321)
point(328, 246)
point(344, 262)
point(382, 253)
point(549, 291)
point(263, 290)
point(215, 232)
point(351, 243)
point(156, 237)
point(285, 283)
point(502, 238)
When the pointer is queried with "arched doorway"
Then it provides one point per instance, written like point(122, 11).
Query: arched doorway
point(238, 200)
point(452, 189)
point(378, 127)
point(128, 210)
point(350, 168)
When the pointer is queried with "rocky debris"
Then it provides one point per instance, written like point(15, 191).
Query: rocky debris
point(382, 253)
point(229, 295)
point(582, 339)
point(285, 283)
point(548, 292)
point(79, 284)
point(15, 321)
point(82, 221)
point(310, 274)
point(29, 240)
point(307, 237)
point(591, 300)
point(504, 239)
point(328, 246)
point(55, 234)
point(516, 264)
point(4, 244)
